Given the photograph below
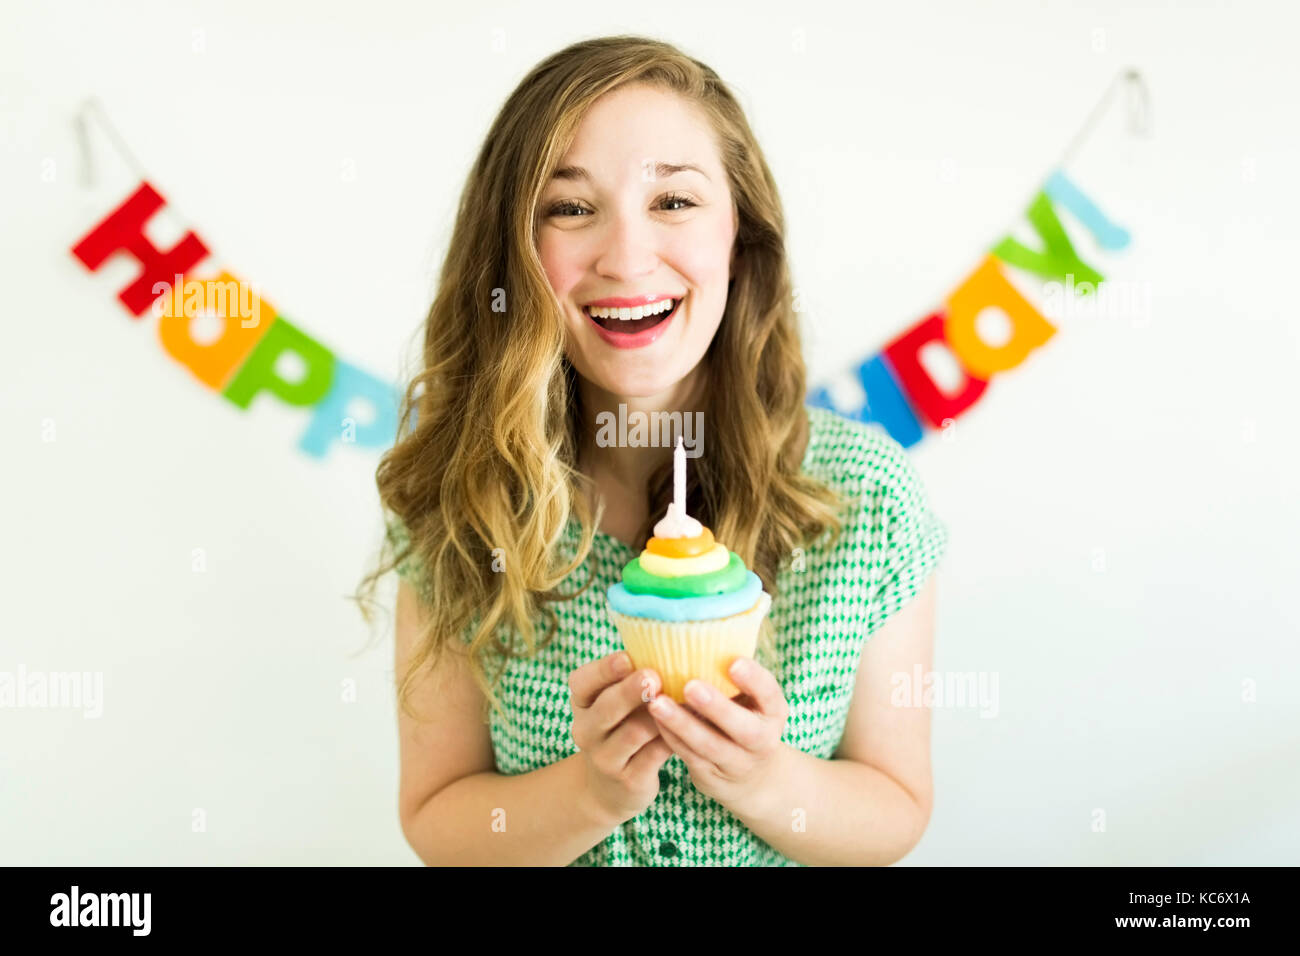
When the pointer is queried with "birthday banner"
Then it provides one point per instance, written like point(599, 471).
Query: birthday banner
point(347, 405)
point(243, 361)
point(901, 395)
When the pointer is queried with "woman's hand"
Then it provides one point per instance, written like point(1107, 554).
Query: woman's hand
point(732, 747)
point(617, 738)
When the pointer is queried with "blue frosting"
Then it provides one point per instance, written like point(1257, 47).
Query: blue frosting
point(686, 609)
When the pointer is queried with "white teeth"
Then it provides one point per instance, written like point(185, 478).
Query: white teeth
point(636, 312)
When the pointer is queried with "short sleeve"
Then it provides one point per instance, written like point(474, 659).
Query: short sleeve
point(411, 568)
point(911, 537)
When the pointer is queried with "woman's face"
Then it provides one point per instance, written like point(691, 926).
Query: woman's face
point(616, 223)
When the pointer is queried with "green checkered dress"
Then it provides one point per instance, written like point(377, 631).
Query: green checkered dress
point(822, 615)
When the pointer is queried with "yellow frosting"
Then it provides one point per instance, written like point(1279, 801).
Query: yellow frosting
point(715, 559)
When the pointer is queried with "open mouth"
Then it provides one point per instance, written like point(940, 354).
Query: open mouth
point(633, 326)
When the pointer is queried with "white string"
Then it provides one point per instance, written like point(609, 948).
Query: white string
point(1139, 111)
point(1139, 124)
point(1137, 100)
point(92, 109)
point(91, 106)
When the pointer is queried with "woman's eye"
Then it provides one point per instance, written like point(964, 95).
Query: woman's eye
point(686, 203)
point(565, 208)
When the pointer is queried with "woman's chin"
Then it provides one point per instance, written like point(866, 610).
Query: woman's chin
point(635, 386)
point(631, 373)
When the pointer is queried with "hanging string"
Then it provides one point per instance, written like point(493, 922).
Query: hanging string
point(1139, 111)
point(92, 109)
point(1138, 103)
point(1139, 124)
point(86, 165)
point(1137, 100)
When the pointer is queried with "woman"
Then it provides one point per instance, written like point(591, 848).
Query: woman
point(622, 169)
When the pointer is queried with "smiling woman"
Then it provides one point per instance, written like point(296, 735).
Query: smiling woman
point(624, 230)
point(640, 283)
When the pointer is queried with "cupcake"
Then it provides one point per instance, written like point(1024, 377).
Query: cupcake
point(687, 606)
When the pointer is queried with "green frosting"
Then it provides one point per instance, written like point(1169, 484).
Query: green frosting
point(731, 578)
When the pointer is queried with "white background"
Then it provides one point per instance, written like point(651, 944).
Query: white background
point(319, 149)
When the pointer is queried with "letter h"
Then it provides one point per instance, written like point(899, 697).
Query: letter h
point(123, 230)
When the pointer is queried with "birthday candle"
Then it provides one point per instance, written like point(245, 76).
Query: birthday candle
point(677, 523)
point(679, 477)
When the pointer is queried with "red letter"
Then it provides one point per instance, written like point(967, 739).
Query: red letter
point(902, 354)
point(124, 230)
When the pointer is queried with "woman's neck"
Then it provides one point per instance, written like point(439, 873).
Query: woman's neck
point(628, 466)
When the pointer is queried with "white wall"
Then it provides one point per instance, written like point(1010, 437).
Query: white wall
point(906, 137)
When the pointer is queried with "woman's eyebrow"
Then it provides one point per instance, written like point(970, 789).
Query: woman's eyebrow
point(662, 171)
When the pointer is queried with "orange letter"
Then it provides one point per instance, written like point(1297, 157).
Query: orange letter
point(246, 319)
point(986, 288)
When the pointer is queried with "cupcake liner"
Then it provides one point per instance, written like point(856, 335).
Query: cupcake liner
point(681, 650)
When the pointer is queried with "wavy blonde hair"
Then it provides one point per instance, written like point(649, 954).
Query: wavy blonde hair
point(491, 458)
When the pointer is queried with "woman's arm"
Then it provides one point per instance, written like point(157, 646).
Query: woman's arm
point(870, 803)
point(455, 809)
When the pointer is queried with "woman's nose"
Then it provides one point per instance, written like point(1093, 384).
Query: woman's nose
point(628, 249)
